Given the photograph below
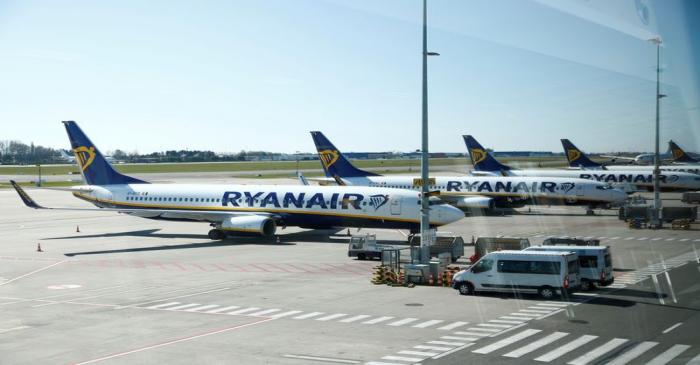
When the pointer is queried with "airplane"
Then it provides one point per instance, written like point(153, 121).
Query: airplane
point(470, 192)
point(675, 155)
point(485, 163)
point(242, 209)
point(578, 159)
point(71, 159)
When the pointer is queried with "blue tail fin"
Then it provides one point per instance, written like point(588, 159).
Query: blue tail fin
point(95, 169)
point(678, 154)
point(576, 157)
point(333, 161)
point(481, 158)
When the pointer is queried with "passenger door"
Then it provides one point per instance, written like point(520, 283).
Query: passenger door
point(396, 205)
point(483, 274)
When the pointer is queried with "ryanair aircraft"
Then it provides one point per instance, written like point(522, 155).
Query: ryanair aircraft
point(484, 163)
point(243, 209)
point(675, 155)
point(470, 192)
point(682, 162)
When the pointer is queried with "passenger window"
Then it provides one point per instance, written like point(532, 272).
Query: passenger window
point(588, 261)
point(482, 266)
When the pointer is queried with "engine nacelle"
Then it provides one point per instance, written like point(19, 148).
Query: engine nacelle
point(475, 202)
point(250, 225)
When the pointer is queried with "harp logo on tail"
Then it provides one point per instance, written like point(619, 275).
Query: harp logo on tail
point(328, 157)
point(573, 155)
point(478, 155)
point(677, 153)
point(85, 156)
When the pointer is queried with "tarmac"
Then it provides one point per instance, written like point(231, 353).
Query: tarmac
point(112, 289)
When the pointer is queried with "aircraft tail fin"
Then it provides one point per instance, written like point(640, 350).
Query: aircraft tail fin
point(93, 166)
point(679, 155)
point(334, 162)
point(576, 157)
point(481, 158)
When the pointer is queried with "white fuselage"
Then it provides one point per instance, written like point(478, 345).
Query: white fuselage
point(504, 189)
point(639, 178)
point(691, 169)
point(292, 205)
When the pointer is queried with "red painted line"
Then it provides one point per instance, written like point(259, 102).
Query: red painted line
point(258, 267)
point(279, 268)
point(209, 333)
point(138, 264)
point(219, 267)
point(300, 268)
point(343, 267)
point(238, 267)
point(199, 267)
point(178, 266)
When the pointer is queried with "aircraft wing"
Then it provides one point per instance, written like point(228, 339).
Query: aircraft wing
point(625, 158)
point(202, 215)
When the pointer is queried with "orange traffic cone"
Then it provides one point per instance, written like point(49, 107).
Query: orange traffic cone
point(431, 281)
point(38, 248)
point(77, 229)
point(439, 281)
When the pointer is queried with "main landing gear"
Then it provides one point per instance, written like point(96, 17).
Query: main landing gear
point(216, 234)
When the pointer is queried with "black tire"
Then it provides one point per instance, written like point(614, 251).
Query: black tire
point(546, 292)
point(465, 288)
point(586, 285)
point(361, 256)
point(216, 234)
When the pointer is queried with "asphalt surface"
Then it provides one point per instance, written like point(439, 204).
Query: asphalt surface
point(131, 290)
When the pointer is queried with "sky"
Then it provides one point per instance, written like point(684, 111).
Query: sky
point(259, 75)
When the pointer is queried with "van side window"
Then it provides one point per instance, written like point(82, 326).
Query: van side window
point(588, 261)
point(529, 267)
point(482, 266)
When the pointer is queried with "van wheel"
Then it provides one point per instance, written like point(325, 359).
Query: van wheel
point(586, 285)
point(546, 292)
point(361, 256)
point(466, 289)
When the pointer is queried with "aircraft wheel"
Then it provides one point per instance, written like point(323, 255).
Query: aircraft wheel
point(216, 234)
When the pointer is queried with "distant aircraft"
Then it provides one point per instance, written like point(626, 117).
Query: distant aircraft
point(675, 154)
point(585, 169)
point(470, 192)
point(71, 159)
point(242, 209)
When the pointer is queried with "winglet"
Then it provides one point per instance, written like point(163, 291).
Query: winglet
point(26, 199)
point(302, 179)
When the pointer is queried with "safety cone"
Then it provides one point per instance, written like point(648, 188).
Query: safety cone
point(38, 248)
point(77, 229)
point(431, 281)
point(439, 281)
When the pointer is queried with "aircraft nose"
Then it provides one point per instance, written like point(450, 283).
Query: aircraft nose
point(449, 214)
point(617, 195)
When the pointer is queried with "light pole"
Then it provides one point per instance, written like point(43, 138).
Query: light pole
point(425, 209)
point(38, 183)
point(297, 156)
point(656, 221)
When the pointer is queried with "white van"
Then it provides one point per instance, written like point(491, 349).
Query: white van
point(595, 263)
point(545, 273)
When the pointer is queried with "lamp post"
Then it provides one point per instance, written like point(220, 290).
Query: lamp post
point(656, 221)
point(38, 183)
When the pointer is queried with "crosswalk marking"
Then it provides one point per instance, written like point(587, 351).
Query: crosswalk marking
point(534, 311)
point(553, 304)
point(542, 308)
point(224, 309)
point(402, 322)
point(377, 320)
point(597, 352)
point(668, 355)
point(502, 321)
point(183, 306)
point(614, 238)
point(478, 334)
point(452, 326)
point(483, 329)
point(158, 306)
point(332, 316)
point(694, 361)
point(516, 318)
point(434, 348)
point(285, 314)
point(555, 354)
point(458, 338)
point(427, 324)
point(355, 318)
point(267, 311)
point(506, 341)
point(308, 315)
point(495, 325)
point(447, 343)
point(418, 353)
point(633, 353)
point(402, 358)
point(244, 310)
point(202, 307)
point(536, 345)
point(525, 314)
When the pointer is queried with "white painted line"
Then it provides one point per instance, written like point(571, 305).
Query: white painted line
point(562, 350)
point(554, 304)
point(614, 238)
point(602, 238)
point(587, 294)
point(509, 322)
point(656, 239)
point(684, 239)
point(402, 322)
point(542, 308)
point(325, 359)
point(667, 330)
point(633, 353)
point(597, 352)
point(495, 325)
point(179, 307)
point(467, 339)
point(629, 238)
point(285, 314)
point(402, 358)
point(551, 314)
point(516, 318)
point(332, 316)
point(267, 311)
point(452, 351)
point(641, 238)
point(427, 324)
point(377, 320)
point(224, 309)
point(33, 272)
point(478, 334)
point(536, 345)
point(668, 355)
point(162, 305)
point(202, 307)
point(418, 353)
point(355, 318)
point(5, 330)
point(525, 314)
point(506, 341)
point(696, 240)
point(484, 329)
point(244, 310)
point(382, 363)
point(670, 239)
point(308, 315)
point(452, 326)
point(446, 343)
point(434, 348)
point(534, 311)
